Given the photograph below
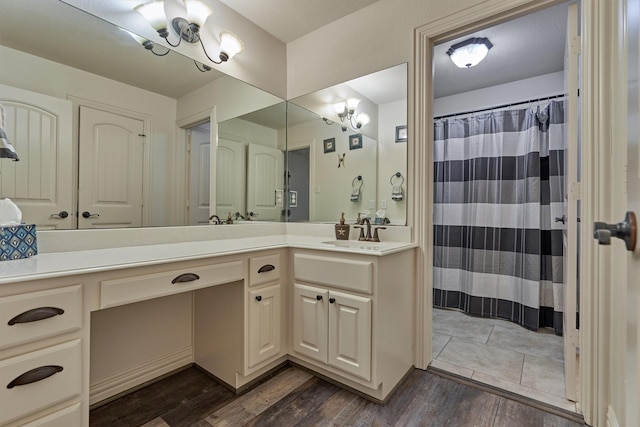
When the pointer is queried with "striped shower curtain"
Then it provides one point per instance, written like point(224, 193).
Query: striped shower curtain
point(499, 185)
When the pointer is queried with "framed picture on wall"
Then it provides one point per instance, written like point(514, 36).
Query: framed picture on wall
point(329, 145)
point(401, 133)
point(355, 141)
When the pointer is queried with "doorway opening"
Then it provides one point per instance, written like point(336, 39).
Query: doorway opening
point(501, 216)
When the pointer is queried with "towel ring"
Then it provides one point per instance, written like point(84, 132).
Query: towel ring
point(396, 175)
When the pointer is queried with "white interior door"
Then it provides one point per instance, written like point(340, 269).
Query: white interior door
point(200, 171)
point(110, 179)
point(632, 298)
point(41, 183)
point(264, 178)
point(230, 177)
point(570, 234)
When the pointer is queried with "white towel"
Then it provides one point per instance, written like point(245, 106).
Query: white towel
point(6, 149)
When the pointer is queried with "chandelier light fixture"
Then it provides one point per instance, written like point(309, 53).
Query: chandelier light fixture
point(470, 52)
point(346, 110)
point(150, 46)
point(188, 29)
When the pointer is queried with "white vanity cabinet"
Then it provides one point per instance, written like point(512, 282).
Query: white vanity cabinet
point(334, 328)
point(265, 309)
point(41, 354)
point(241, 335)
point(353, 317)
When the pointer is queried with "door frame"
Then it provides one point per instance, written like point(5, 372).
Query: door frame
point(311, 145)
point(181, 163)
point(78, 102)
point(595, 64)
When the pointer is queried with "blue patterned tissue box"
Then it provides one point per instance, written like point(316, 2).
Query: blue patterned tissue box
point(18, 241)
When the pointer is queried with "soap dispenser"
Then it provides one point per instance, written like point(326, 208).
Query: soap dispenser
point(342, 229)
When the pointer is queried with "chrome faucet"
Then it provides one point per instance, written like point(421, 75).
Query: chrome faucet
point(216, 220)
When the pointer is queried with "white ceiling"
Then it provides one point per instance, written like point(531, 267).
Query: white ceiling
point(525, 47)
point(288, 20)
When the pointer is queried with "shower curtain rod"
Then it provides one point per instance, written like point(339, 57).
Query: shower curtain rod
point(544, 98)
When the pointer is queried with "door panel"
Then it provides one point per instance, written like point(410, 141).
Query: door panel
point(264, 177)
point(350, 333)
point(570, 232)
point(200, 161)
point(264, 324)
point(39, 128)
point(111, 170)
point(632, 291)
point(230, 177)
point(310, 321)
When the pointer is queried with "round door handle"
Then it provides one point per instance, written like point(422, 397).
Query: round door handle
point(87, 214)
point(61, 215)
point(332, 300)
point(258, 298)
point(319, 297)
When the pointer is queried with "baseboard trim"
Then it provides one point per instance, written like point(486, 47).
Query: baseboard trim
point(112, 386)
point(509, 395)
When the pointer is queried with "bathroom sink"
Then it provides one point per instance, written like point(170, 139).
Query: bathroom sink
point(355, 244)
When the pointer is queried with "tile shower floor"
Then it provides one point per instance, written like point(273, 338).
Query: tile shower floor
point(501, 354)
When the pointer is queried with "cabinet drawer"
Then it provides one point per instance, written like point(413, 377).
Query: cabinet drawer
point(264, 269)
point(338, 272)
point(35, 380)
point(148, 286)
point(67, 417)
point(35, 315)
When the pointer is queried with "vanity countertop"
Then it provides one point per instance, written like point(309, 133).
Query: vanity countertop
point(56, 264)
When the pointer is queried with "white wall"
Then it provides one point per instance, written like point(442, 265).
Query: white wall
point(231, 97)
point(371, 39)
point(248, 132)
point(37, 74)
point(512, 92)
point(392, 158)
point(330, 185)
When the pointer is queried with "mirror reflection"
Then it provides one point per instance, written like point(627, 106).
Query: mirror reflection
point(58, 78)
point(152, 164)
point(339, 163)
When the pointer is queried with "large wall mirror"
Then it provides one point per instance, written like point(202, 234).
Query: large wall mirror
point(59, 81)
point(351, 161)
point(150, 166)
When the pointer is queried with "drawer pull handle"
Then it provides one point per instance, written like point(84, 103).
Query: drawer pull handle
point(258, 298)
point(36, 314)
point(35, 375)
point(332, 300)
point(186, 277)
point(266, 268)
point(319, 297)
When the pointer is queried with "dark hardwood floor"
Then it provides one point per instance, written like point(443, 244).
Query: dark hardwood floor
point(294, 397)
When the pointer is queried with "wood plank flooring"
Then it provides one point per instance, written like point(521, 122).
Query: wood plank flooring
point(294, 397)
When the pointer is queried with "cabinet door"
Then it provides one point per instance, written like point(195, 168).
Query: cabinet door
point(264, 324)
point(350, 333)
point(310, 321)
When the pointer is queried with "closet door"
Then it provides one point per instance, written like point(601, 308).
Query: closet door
point(41, 183)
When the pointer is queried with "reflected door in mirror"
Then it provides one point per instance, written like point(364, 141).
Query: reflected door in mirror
point(264, 180)
point(111, 168)
point(39, 128)
point(199, 171)
point(230, 175)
